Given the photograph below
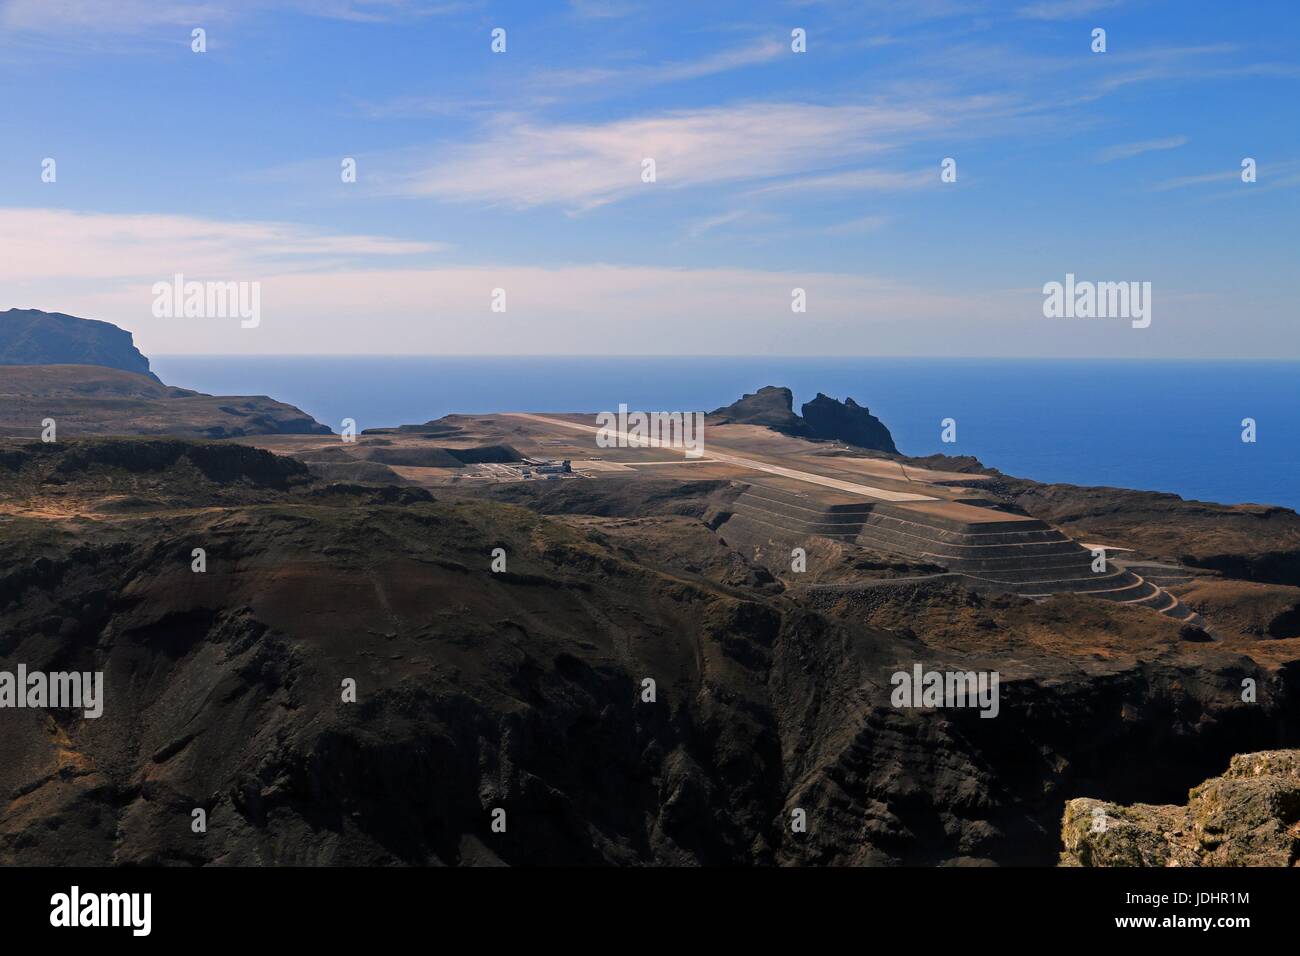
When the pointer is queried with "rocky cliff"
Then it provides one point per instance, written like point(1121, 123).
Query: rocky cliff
point(1249, 816)
point(848, 422)
point(824, 418)
point(32, 337)
point(771, 406)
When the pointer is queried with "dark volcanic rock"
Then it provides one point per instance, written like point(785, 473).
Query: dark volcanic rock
point(772, 406)
point(222, 464)
point(848, 422)
point(150, 465)
point(824, 418)
point(32, 337)
point(425, 456)
point(484, 453)
point(434, 429)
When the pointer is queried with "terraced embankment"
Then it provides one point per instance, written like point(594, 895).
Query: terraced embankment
point(988, 549)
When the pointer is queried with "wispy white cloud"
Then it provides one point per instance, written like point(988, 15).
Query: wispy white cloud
point(591, 309)
point(891, 11)
point(1271, 175)
point(551, 86)
point(753, 54)
point(69, 17)
point(580, 166)
point(848, 227)
point(1200, 63)
point(1047, 83)
point(854, 180)
point(59, 244)
point(1128, 150)
point(337, 294)
point(709, 223)
point(605, 9)
point(373, 11)
point(117, 16)
point(1065, 9)
point(1183, 181)
point(605, 309)
point(754, 227)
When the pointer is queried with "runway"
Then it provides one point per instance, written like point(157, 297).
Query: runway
point(867, 491)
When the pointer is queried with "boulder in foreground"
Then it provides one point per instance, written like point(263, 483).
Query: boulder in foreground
point(1250, 816)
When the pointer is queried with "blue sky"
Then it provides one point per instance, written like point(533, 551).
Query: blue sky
point(775, 169)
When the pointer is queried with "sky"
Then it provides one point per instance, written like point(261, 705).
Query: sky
point(774, 170)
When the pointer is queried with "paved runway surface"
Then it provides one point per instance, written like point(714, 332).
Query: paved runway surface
point(880, 494)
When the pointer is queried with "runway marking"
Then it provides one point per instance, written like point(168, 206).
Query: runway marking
point(880, 494)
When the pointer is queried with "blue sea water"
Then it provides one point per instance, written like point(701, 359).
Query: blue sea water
point(1164, 426)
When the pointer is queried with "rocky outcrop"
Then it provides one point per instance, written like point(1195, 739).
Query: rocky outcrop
point(824, 418)
point(1250, 816)
point(848, 422)
point(771, 406)
point(32, 337)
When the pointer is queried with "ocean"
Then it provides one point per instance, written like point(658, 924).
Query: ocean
point(1163, 426)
